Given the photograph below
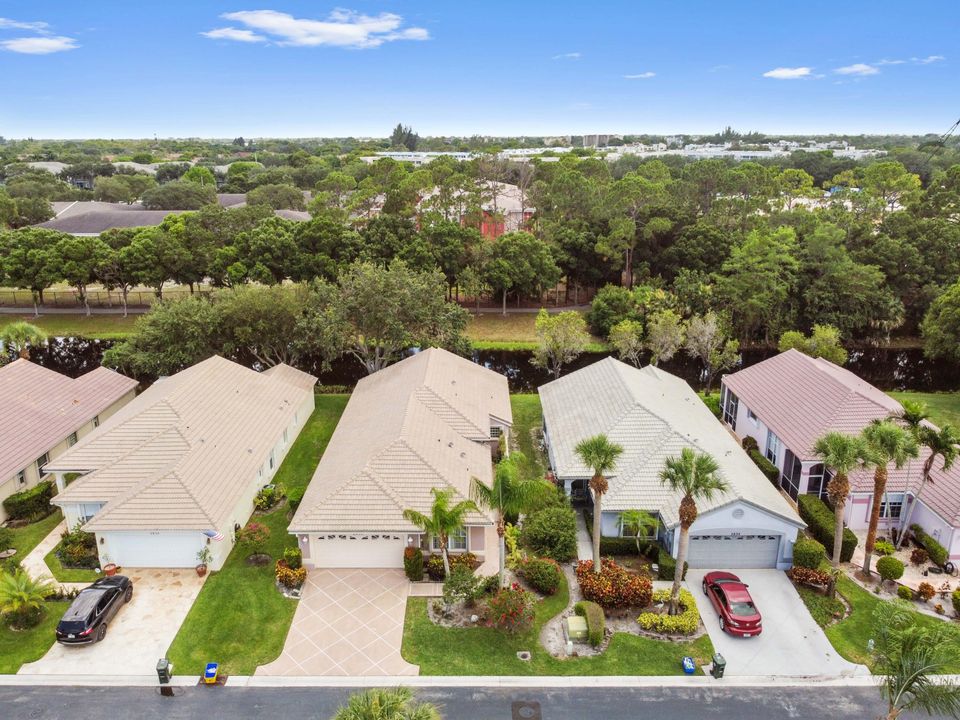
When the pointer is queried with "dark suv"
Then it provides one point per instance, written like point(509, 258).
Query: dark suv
point(86, 619)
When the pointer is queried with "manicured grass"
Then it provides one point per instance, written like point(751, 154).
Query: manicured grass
point(28, 537)
point(239, 619)
point(528, 416)
point(486, 651)
point(22, 646)
point(62, 574)
point(823, 609)
point(944, 407)
point(515, 331)
point(103, 327)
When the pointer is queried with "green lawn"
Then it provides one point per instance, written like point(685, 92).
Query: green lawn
point(62, 574)
point(239, 618)
point(485, 651)
point(516, 331)
point(944, 407)
point(22, 646)
point(527, 416)
point(104, 327)
point(28, 537)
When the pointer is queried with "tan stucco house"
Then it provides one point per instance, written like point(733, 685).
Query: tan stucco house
point(430, 421)
point(47, 413)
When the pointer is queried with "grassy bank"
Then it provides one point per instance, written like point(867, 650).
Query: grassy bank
point(944, 407)
point(100, 327)
point(515, 331)
point(23, 646)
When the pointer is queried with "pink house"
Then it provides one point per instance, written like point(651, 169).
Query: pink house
point(786, 402)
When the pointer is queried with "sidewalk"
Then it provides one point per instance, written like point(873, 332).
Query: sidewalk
point(584, 543)
point(36, 566)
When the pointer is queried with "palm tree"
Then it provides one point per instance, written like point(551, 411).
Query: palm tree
point(442, 519)
point(599, 454)
point(696, 477)
point(22, 598)
point(941, 443)
point(638, 521)
point(886, 442)
point(386, 704)
point(841, 453)
point(912, 416)
point(21, 336)
point(510, 494)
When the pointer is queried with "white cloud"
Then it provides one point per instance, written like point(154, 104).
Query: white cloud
point(8, 24)
point(229, 33)
point(928, 59)
point(568, 56)
point(341, 28)
point(640, 76)
point(890, 62)
point(857, 69)
point(39, 45)
point(785, 73)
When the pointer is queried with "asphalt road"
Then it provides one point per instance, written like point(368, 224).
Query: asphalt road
point(835, 703)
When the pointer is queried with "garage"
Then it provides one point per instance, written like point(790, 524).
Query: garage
point(733, 551)
point(358, 550)
point(156, 549)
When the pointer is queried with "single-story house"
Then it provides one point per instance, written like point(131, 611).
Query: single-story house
point(653, 415)
point(788, 401)
point(178, 468)
point(48, 413)
point(430, 421)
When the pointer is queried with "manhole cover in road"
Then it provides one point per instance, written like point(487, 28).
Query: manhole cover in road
point(526, 711)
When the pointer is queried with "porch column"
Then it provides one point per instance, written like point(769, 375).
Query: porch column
point(61, 483)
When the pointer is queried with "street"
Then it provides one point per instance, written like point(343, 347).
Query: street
point(740, 703)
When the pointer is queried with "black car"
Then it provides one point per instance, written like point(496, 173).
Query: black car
point(86, 619)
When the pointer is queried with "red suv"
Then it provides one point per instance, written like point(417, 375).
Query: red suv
point(731, 599)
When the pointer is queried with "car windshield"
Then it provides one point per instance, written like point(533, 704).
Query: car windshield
point(742, 608)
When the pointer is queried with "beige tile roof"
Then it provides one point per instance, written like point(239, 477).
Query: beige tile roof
point(653, 415)
point(411, 427)
point(181, 454)
point(43, 408)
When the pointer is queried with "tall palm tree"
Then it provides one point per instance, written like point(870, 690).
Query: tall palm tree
point(22, 598)
point(638, 521)
point(442, 520)
point(600, 455)
point(940, 443)
point(21, 336)
point(912, 417)
point(696, 476)
point(386, 704)
point(886, 442)
point(510, 494)
point(841, 453)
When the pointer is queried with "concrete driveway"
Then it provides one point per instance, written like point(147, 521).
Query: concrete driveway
point(791, 642)
point(137, 636)
point(348, 622)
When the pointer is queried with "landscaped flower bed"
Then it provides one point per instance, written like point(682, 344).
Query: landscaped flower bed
point(685, 623)
point(613, 586)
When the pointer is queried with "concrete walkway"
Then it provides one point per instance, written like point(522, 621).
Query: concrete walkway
point(36, 566)
point(584, 543)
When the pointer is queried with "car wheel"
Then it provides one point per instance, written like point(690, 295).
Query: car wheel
point(704, 586)
point(101, 632)
point(723, 625)
point(128, 594)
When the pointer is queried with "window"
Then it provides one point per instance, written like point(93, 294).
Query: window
point(21, 478)
point(43, 460)
point(891, 506)
point(773, 447)
point(271, 460)
point(286, 435)
point(790, 478)
point(817, 480)
point(456, 541)
point(72, 440)
point(752, 417)
point(96, 421)
point(731, 404)
point(495, 431)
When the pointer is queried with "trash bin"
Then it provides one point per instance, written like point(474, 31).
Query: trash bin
point(164, 670)
point(718, 666)
point(689, 666)
point(210, 673)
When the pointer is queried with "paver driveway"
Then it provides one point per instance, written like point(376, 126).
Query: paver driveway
point(348, 622)
point(791, 642)
point(137, 636)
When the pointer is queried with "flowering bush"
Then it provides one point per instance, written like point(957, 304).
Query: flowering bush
point(253, 537)
point(434, 567)
point(290, 577)
point(613, 586)
point(808, 576)
point(684, 623)
point(466, 560)
point(543, 575)
point(510, 610)
point(925, 591)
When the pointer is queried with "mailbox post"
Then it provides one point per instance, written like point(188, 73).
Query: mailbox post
point(164, 671)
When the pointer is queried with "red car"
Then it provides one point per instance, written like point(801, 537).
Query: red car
point(731, 599)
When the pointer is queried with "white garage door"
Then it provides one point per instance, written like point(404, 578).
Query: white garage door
point(733, 551)
point(159, 549)
point(356, 551)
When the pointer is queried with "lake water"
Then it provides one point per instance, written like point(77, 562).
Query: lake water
point(888, 369)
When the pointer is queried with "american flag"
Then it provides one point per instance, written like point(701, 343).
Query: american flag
point(213, 534)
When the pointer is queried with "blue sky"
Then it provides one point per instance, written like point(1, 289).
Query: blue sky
point(112, 68)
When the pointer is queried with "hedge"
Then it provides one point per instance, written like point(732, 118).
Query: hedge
point(936, 551)
point(30, 504)
point(595, 618)
point(808, 553)
point(542, 574)
point(685, 623)
point(766, 467)
point(551, 532)
point(413, 563)
point(667, 566)
point(820, 520)
point(956, 601)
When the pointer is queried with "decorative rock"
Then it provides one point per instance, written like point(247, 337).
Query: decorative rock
point(474, 618)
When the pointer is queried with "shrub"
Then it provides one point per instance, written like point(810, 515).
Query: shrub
point(267, 497)
point(6, 538)
point(461, 586)
point(808, 576)
point(30, 504)
point(890, 568)
point(625, 546)
point(667, 566)
point(884, 547)
point(766, 467)
point(552, 533)
point(919, 556)
point(467, 560)
point(511, 539)
point(712, 401)
point(904, 593)
point(956, 601)
point(808, 553)
point(938, 608)
point(489, 585)
point(542, 574)
point(925, 591)
point(294, 498)
point(435, 569)
point(750, 443)
point(293, 557)
point(596, 620)
point(510, 610)
point(819, 518)
point(684, 623)
point(78, 537)
point(413, 563)
point(290, 577)
point(613, 586)
point(937, 552)
point(253, 537)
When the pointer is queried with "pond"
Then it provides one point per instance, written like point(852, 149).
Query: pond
point(887, 368)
